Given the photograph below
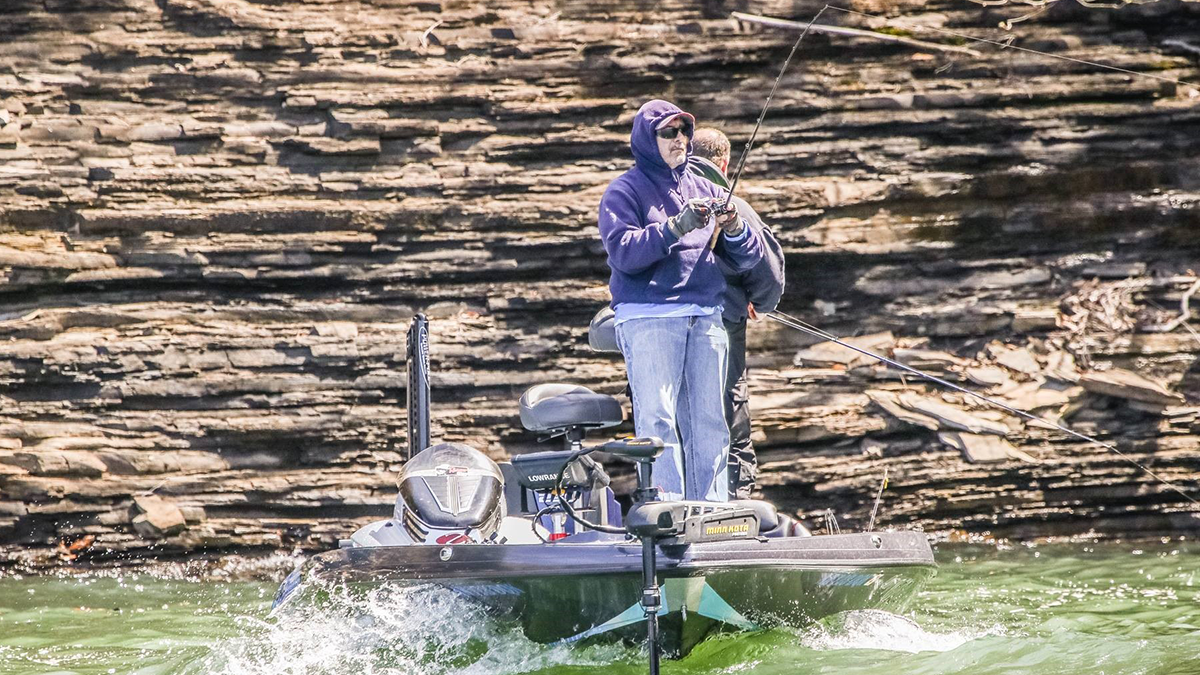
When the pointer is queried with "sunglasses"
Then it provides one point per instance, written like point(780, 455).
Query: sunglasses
point(671, 132)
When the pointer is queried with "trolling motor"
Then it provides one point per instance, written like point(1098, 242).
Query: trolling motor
point(657, 523)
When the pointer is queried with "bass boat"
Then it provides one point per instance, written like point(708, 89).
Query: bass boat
point(542, 540)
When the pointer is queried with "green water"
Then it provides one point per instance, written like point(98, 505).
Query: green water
point(1078, 609)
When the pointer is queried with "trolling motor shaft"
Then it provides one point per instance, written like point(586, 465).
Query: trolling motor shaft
point(651, 601)
point(644, 452)
point(677, 523)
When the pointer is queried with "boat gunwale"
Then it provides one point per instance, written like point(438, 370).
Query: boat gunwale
point(516, 561)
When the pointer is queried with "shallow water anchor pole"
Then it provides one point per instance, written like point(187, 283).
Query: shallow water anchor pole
point(417, 362)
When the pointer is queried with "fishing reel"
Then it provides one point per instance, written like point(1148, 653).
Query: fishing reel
point(720, 208)
point(712, 208)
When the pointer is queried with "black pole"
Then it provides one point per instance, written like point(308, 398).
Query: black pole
point(418, 385)
point(645, 492)
point(651, 594)
point(651, 601)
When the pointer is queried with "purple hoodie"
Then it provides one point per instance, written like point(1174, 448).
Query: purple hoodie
point(649, 264)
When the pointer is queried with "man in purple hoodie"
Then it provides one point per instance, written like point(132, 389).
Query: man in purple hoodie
point(659, 224)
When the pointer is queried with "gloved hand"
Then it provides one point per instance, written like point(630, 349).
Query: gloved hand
point(728, 219)
point(693, 217)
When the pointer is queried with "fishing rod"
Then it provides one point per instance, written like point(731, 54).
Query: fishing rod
point(762, 115)
point(796, 324)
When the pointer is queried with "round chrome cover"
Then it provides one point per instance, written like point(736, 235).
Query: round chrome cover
point(450, 493)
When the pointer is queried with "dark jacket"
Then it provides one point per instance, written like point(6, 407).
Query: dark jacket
point(649, 264)
point(761, 284)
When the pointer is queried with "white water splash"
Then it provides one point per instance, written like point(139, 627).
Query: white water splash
point(876, 629)
point(387, 630)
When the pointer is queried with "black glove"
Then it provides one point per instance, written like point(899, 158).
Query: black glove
point(693, 217)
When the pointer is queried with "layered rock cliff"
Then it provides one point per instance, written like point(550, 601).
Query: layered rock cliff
point(217, 217)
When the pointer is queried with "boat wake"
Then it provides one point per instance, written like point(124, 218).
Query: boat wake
point(877, 629)
point(421, 630)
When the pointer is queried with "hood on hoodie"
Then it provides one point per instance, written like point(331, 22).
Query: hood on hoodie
point(651, 117)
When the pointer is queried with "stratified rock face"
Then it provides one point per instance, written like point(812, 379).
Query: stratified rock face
point(217, 216)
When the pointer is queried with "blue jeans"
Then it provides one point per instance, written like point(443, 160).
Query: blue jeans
point(676, 369)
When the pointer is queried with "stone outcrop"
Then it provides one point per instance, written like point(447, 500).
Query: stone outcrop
point(217, 216)
point(156, 517)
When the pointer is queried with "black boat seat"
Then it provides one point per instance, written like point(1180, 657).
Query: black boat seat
point(551, 407)
point(602, 331)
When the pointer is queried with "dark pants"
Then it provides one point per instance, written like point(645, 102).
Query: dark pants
point(743, 465)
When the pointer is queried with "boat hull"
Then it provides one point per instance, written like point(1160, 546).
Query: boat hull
point(589, 591)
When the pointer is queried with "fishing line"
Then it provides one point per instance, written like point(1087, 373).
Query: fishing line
point(762, 115)
point(1009, 45)
point(737, 174)
point(796, 324)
